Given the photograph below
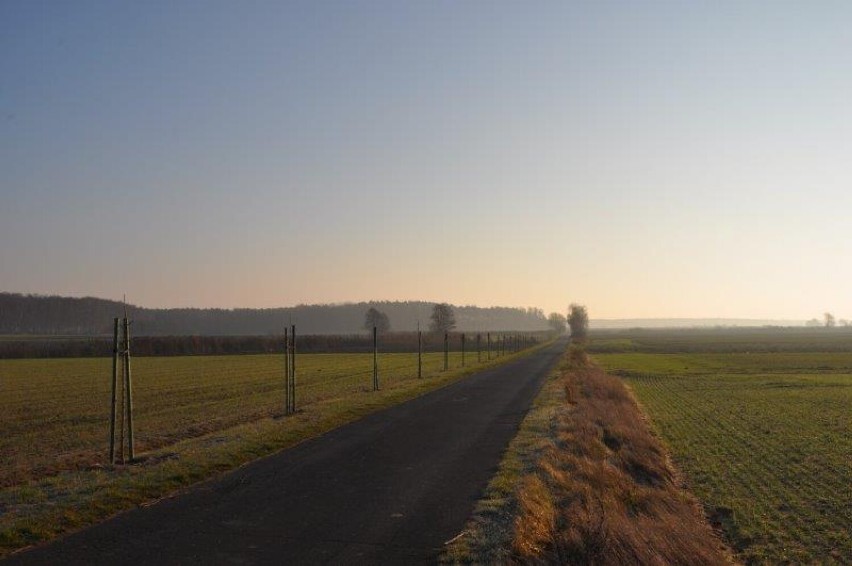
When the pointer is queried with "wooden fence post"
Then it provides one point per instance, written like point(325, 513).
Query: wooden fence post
point(375, 359)
point(462, 347)
point(446, 351)
point(292, 368)
point(489, 345)
point(128, 384)
point(419, 353)
point(478, 347)
point(286, 371)
point(114, 391)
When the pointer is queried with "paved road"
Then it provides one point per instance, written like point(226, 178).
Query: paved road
point(390, 488)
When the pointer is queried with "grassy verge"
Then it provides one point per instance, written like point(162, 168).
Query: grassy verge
point(487, 537)
point(587, 482)
point(41, 503)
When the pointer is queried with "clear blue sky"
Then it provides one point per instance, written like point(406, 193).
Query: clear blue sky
point(645, 158)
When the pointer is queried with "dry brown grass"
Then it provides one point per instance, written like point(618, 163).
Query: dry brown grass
point(604, 492)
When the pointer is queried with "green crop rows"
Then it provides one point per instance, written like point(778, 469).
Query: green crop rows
point(765, 441)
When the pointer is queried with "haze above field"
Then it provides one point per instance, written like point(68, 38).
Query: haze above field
point(29, 315)
point(662, 159)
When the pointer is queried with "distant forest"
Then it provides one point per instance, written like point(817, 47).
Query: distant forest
point(89, 316)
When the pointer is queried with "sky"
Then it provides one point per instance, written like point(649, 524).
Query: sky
point(646, 159)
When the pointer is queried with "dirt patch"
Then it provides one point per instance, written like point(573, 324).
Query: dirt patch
point(722, 521)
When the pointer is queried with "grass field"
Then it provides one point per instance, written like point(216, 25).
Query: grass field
point(765, 440)
point(722, 340)
point(56, 411)
point(194, 416)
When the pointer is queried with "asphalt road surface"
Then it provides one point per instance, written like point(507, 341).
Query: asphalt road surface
point(390, 488)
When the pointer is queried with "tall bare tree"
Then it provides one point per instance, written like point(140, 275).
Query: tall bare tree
point(375, 317)
point(557, 322)
point(443, 319)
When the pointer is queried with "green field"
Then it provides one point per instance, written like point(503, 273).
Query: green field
point(55, 412)
point(194, 416)
point(722, 340)
point(764, 439)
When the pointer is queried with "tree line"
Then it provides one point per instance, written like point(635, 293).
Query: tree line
point(443, 319)
point(828, 321)
point(88, 316)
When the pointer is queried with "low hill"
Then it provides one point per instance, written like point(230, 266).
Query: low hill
point(55, 315)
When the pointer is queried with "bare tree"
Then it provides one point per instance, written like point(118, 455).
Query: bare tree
point(829, 320)
point(578, 320)
point(375, 317)
point(443, 318)
point(557, 322)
